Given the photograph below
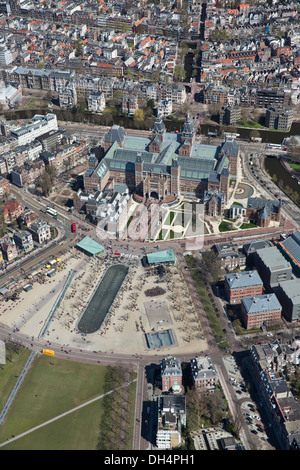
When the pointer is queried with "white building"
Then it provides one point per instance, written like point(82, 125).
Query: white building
point(164, 108)
point(5, 54)
point(40, 125)
point(40, 231)
point(96, 101)
point(167, 439)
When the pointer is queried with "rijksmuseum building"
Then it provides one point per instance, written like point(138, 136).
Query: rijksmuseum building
point(164, 164)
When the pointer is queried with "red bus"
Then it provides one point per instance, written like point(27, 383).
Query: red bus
point(73, 227)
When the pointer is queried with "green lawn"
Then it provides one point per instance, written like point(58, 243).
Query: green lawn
point(16, 359)
point(249, 225)
point(295, 166)
point(225, 226)
point(50, 388)
point(250, 123)
point(37, 103)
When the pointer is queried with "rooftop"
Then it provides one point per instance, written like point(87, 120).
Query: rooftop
point(291, 246)
point(243, 279)
point(89, 245)
point(272, 258)
point(166, 256)
point(292, 289)
point(261, 303)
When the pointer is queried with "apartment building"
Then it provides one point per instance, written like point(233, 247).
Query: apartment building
point(279, 118)
point(242, 284)
point(215, 94)
point(283, 411)
point(175, 93)
point(129, 104)
point(171, 374)
point(171, 417)
point(27, 174)
point(41, 79)
point(48, 141)
point(67, 96)
point(40, 124)
point(266, 97)
point(24, 240)
point(230, 115)
point(260, 310)
point(6, 57)
point(65, 158)
point(4, 187)
point(164, 108)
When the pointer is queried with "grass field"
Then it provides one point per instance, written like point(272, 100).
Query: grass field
point(52, 387)
point(37, 103)
point(16, 359)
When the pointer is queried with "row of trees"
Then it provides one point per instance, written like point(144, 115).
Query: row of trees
point(117, 410)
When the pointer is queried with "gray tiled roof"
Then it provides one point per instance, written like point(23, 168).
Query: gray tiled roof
point(115, 134)
point(261, 303)
point(243, 279)
point(231, 147)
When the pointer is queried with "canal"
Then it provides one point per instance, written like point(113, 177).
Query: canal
point(282, 178)
point(267, 136)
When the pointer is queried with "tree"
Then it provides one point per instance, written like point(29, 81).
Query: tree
point(117, 96)
point(45, 183)
point(151, 104)
point(294, 149)
point(212, 264)
point(179, 73)
point(139, 115)
point(47, 179)
point(155, 76)
point(2, 225)
point(78, 46)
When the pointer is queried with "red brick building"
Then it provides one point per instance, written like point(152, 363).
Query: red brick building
point(260, 310)
point(12, 209)
point(242, 284)
point(171, 374)
point(263, 211)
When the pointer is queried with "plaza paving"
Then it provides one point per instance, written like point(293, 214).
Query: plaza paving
point(124, 329)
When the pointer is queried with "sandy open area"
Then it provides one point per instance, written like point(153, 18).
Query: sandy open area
point(125, 327)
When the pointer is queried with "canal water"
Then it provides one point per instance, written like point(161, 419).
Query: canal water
point(275, 137)
point(284, 179)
